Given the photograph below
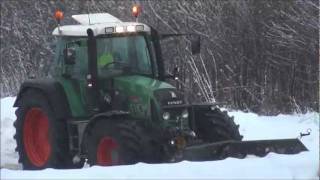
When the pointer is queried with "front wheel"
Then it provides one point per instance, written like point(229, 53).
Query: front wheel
point(215, 126)
point(115, 142)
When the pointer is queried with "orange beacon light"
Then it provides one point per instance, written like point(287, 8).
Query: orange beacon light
point(136, 10)
point(58, 15)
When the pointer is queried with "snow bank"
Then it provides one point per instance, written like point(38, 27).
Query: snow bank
point(9, 158)
point(300, 166)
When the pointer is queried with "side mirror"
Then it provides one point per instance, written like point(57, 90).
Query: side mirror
point(69, 56)
point(195, 45)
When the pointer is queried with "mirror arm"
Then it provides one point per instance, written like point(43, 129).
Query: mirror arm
point(195, 45)
point(164, 36)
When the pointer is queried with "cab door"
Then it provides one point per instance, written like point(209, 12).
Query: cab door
point(74, 72)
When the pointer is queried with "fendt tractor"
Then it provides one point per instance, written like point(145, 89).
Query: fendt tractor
point(107, 103)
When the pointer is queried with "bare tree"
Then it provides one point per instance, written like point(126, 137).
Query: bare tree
point(259, 56)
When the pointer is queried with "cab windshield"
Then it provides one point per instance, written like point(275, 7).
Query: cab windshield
point(128, 54)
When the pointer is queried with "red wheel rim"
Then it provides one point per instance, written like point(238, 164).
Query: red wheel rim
point(36, 137)
point(107, 152)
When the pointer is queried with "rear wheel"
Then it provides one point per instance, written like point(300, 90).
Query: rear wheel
point(42, 140)
point(217, 126)
point(36, 136)
point(116, 142)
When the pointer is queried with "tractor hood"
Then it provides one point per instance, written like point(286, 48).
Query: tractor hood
point(141, 84)
point(139, 91)
point(143, 89)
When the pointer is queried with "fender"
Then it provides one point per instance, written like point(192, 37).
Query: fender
point(52, 90)
point(105, 116)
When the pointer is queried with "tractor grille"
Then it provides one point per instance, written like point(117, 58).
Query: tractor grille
point(176, 120)
point(173, 102)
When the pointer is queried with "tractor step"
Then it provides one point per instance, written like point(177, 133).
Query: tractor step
point(240, 149)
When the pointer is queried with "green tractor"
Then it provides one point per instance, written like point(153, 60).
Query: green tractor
point(108, 104)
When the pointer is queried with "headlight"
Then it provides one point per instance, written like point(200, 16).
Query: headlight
point(166, 115)
point(185, 114)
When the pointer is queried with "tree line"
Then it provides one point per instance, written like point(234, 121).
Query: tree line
point(260, 56)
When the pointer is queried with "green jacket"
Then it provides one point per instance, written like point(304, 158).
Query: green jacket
point(105, 59)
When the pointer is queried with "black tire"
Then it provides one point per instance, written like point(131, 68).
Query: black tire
point(33, 112)
point(215, 126)
point(131, 144)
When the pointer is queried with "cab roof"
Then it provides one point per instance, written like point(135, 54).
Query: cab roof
point(98, 22)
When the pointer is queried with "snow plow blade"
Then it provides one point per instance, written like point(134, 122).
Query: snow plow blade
point(240, 149)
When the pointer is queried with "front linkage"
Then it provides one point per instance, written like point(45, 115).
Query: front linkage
point(217, 138)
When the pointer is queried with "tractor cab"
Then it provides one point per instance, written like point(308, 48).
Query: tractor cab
point(121, 47)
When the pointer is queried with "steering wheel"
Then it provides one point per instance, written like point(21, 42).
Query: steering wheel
point(117, 62)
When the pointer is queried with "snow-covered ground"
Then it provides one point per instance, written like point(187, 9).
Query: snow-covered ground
point(304, 165)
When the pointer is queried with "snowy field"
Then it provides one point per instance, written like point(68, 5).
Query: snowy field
point(274, 166)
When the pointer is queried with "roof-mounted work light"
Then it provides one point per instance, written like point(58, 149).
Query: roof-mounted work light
point(131, 28)
point(119, 29)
